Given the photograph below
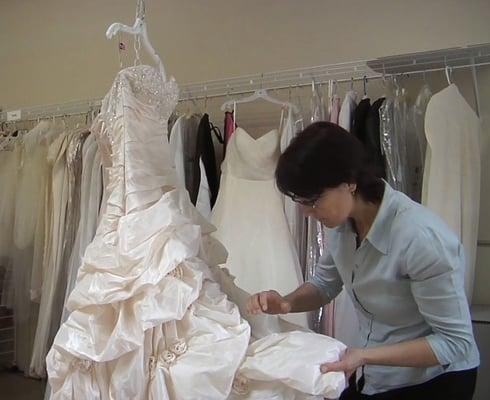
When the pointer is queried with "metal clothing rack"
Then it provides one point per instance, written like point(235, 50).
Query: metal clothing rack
point(415, 63)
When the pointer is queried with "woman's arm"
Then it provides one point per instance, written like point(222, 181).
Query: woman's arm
point(324, 286)
point(436, 280)
point(412, 353)
point(306, 298)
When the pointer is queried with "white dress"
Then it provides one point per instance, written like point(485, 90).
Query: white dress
point(418, 118)
point(183, 127)
point(8, 180)
point(451, 186)
point(39, 238)
point(148, 317)
point(294, 214)
point(89, 205)
point(56, 207)
point(29, 185)
point(347, 110)
point(250, 220)
point(37, 275)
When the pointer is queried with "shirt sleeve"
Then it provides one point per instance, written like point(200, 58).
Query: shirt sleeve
point(436, 270)
point(327, 277)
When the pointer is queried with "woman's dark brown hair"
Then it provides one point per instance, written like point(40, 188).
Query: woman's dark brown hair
point(323, 156)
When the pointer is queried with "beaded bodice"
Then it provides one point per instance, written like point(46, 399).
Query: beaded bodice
point(142, 84)
point(145, 83)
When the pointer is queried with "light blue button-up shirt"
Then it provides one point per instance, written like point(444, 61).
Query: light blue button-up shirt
point(406, 281)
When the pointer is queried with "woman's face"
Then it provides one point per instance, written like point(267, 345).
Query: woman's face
point(334, 206)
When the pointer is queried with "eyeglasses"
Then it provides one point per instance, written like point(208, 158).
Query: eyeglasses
point(306, 202)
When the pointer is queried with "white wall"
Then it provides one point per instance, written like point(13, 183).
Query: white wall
point(55, 50)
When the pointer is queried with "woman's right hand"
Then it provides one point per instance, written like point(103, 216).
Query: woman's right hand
point(269, 302)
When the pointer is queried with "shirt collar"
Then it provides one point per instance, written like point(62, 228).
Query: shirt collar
point(379, 233)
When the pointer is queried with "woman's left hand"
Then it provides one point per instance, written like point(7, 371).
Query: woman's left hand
point(348, 363)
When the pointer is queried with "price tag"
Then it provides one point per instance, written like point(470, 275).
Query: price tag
point(13, 115)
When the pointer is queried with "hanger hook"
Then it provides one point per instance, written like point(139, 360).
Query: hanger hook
point(205, 98)
point(447, 71)
point(140, 9)
point(365, 79)
point(188, 100)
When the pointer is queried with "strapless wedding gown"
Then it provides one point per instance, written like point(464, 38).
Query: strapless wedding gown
point(149, 317)
point(250, 219)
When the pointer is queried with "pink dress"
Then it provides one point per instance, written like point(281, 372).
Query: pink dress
point(229, 127)
point(335, 110)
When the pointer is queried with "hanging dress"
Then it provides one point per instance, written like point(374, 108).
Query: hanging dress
point(56, 209)
point(229, 128)
point(8, 181)
point(373, 141)
point(452, 178)
point(189, 167)
point(29, 182)
point(39, 237)
point(315, 231)
point(294, 214)
point(86, 217)
point(418, 155)
point(250, 219)
point(149, 319)
point(335, 109)
point(346, 114)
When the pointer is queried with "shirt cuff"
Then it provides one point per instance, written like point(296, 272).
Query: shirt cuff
point(321, 289)
point(437, 344)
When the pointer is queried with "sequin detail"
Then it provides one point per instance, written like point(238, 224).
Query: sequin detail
point(82, 365)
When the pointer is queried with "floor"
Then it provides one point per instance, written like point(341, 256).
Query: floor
point(482, 337)
point(15, 386)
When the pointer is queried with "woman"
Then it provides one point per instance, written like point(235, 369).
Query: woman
point(401, 265)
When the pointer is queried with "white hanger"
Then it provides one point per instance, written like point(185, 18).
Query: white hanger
point(335, 87)
point(448, 71)
point(258, 94)
point(139, 30)
point(365, 84)
point(330, 91)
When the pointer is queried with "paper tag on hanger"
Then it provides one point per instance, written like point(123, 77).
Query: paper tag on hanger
point(13, 115)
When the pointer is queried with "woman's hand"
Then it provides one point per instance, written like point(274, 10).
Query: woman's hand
point(269, 302)
point(351, 360)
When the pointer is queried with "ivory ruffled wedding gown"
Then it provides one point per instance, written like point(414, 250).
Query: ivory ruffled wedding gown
point(149, 318)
